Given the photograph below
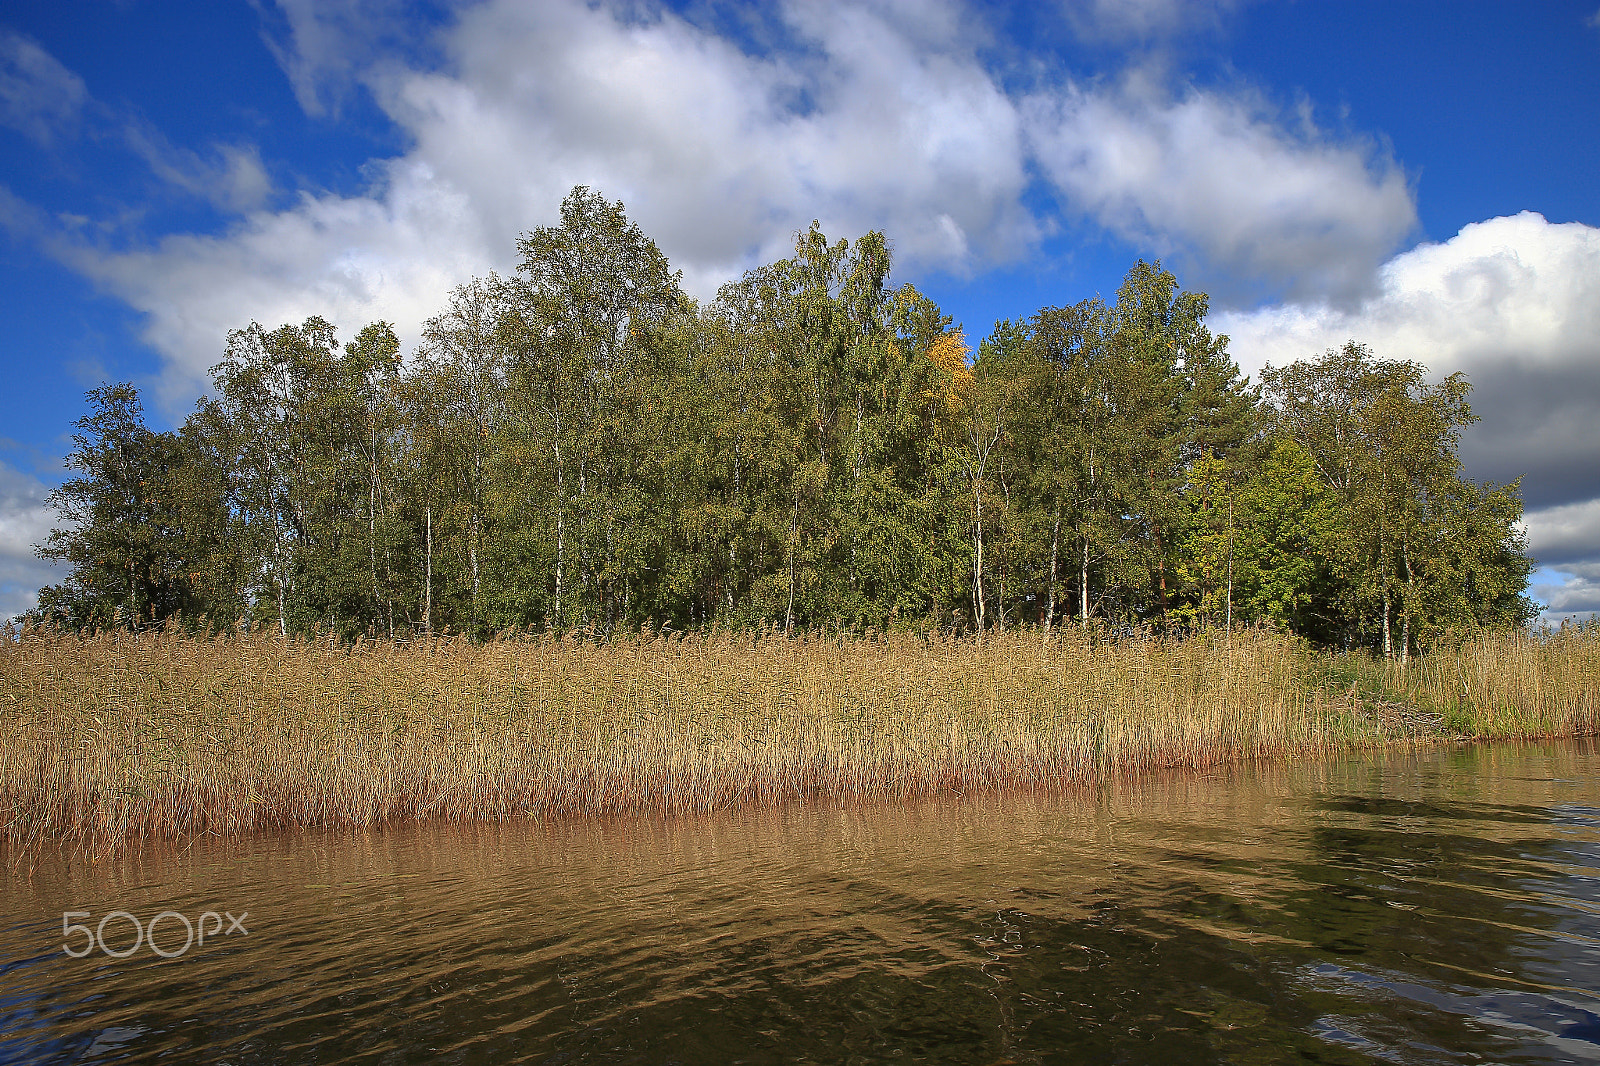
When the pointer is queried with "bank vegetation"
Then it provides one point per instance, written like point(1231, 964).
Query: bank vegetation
point(581, 446)
point(117, 736)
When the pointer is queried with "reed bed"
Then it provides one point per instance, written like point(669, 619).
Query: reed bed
point(116, 736)
point(1511, 686)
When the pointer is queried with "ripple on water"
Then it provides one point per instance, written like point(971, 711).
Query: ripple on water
point(1437, 907)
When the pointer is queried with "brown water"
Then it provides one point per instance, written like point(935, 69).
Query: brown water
point(1443, 907)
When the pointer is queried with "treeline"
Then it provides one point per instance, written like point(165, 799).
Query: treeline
point(582, 445)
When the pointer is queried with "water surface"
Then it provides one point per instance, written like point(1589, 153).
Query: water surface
point(1436, 907)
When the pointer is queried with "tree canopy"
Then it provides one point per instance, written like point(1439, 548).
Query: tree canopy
point(582, 445)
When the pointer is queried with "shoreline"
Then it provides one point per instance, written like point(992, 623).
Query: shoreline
point(31, 856)
point(111, 741)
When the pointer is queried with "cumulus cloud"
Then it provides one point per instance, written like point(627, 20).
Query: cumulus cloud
point(886, 120)
point(874, 114)
point(322, 45)
point(869, 116)
point(1576, 596)
point(1221, 181)
point(25, 521)
point(1514, 303)
point(353, 260)
point(1564, 535)
point(50, 103)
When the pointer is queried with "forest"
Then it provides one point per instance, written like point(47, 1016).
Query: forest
point(581, 446)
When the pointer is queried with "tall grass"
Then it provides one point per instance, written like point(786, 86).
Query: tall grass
point(118, 736)
point(1513, 685)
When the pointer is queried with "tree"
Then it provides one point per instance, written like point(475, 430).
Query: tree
point(306, 431)
point(455, 404)
point(141, 523)
point(1126, 393)
point(585, 295)
point(981, 410)
point(581, 446)
point(1384, 442)
point(368, 381)
point(1259, 540)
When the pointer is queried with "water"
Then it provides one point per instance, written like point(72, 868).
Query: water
point(1440, 907)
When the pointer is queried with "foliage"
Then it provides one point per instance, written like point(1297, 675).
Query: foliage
point(580, 446)
point(1419, 551)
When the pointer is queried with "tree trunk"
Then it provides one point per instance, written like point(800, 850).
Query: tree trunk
point(794, 538)
point(1230, 564)
point(475, 532)
point(1388, 646)
point(1405, 612)
point(1055, 544)
point(372, 524)
point(133, 598)
point(277, 552)
point(1161, 577)
point(1383, 561)
point(855, 494)
point(1083, 572)
point(977, 562)
point(1083, 583)
point(561, 525)
point(1005, 569)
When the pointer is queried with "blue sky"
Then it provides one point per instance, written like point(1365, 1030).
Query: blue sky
point(1423, 177)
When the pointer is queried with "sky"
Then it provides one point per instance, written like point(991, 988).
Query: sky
point(1421, 177)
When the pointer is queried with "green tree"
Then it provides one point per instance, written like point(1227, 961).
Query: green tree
point(582, 446)
point(1258, 541)
point(455, 402)
point(1384, 442)
point(586, 294)
point(307, 431)
point(141, 523)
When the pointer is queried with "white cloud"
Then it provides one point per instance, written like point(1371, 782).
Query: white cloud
point(719, 154)
point(25, 521)
point(48, 102)
point(1222, 181)
point(1514, 303)
point(353, 260)
point(1575, 595)
point(38, 95)
point(322, 44)
point(888, 121)
point(232, 179)
point(884, 117)
point(1518, 287)
point(1565, 535)
point(1142, 20)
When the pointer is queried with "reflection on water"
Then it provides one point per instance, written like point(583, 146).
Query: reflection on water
point(1442, 907)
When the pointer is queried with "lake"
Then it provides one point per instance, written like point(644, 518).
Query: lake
point(1436, 906)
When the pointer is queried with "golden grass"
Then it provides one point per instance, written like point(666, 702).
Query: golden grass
point(119, 736)
point(1512, 685)
point(114, 737)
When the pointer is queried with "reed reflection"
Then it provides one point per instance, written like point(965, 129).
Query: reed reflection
point(1432, 907)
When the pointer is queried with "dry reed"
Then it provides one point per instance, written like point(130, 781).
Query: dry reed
point(1511, 686)
point(116, 736)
